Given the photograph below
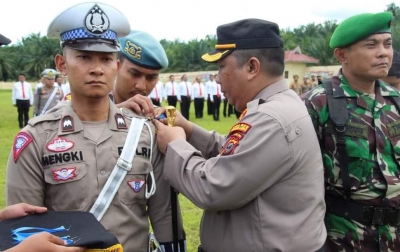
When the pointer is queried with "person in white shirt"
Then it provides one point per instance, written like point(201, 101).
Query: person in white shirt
point(156, 94)
point(171, 90)
point(198, 95)
point(209, 88)
point(22, 98)
point(184, 96)
point(216, 97)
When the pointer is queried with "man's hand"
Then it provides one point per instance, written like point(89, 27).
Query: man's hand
point(166, 134)
point(43, 242)
point(20, 210)
point(140, 104)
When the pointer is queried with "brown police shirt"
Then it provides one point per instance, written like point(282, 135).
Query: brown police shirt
point(57, 164)
point(262, 187)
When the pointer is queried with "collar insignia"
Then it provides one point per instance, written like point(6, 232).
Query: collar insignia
point(67, 123)
point(120, 121)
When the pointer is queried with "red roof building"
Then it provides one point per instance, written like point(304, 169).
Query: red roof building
point(295, 56)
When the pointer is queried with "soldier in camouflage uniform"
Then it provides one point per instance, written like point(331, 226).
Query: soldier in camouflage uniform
point(363, 188)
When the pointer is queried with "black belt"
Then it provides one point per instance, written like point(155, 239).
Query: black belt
point(370, 215)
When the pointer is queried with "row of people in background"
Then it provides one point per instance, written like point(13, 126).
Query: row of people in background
point(48, 92)
point(305, 86)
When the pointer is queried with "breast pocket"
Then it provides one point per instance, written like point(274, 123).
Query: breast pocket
point(66, 187)
point(133, 188)
point(359, 164)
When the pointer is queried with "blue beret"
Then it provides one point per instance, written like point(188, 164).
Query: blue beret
point(358, 27)
point(90, 26)
point(144, 50)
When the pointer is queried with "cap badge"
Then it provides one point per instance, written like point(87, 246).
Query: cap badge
point(97, 22)
point(133, 50)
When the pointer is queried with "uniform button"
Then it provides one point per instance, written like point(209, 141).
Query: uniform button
point(100, 145)
point(77, 172)
point(297, 131)
point(145, 167)
point(102, 173)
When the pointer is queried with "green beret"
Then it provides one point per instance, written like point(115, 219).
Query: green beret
point(144, 50)
point(358, 27)
point(49, 73)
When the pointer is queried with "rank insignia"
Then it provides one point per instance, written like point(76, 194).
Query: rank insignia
point(229, 146)
point(120, 121)
point(59, 145)
point(64, 174)
point(20, 142)
point(67, 97)
point(67, 123)
point(136, 185)
point(96, 21)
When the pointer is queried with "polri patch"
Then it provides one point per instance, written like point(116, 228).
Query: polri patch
point(59, 145)
point(136, 185)
point(67, 123)
point(64, 174)
point(229, 146)
point(20, 142)
point(67, 97)
point(120, 121)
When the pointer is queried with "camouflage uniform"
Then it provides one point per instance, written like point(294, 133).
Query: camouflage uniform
point(373, 148)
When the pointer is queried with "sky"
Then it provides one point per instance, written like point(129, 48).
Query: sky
point(186, 19)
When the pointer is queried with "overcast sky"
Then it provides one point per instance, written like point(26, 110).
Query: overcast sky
point(186, 19)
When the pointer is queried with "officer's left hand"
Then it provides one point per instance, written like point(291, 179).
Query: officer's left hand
point(166, 134)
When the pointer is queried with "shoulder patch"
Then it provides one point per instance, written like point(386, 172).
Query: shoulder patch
point(67, 123)
point(20, 142)
point(229, 146)
point(240, 128)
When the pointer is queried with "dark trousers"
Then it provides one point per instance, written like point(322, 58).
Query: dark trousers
point(172, 100)
point(185, 106)
point(210, 105)
point(216, 105)
point(230, 108)
point(198, 107)
point(156, 102)
point(23, 112)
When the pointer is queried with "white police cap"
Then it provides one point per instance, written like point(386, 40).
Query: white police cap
point(49, 73)
point(90, 27)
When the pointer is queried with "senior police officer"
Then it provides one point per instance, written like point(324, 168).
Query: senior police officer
point(64, 160)
point(48, 95)
point(393, 77)
point(356, 117)
point(263, 191)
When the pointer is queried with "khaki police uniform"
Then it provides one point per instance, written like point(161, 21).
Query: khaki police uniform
point(57, 164)
point(62, 163)
point(43, 95)
point(260, 193)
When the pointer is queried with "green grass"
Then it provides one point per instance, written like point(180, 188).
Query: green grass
point(191, 214)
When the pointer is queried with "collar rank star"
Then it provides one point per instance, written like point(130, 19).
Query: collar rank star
point(120, 121)
point(67, 123)
point(96, 21)
point(136, 185)
point(20, 142)
point(59, 145)
point(64, 174)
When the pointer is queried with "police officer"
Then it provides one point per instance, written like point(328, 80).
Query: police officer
point(356, 117)
point(48, 95)
point(393, 77)
point(263, 191)
point(62, 160)
point(42, 242)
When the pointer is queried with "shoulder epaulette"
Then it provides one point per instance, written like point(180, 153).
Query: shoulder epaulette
point(53, 116)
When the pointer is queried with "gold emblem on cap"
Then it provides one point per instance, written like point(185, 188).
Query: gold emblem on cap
point(51, 74)
point(133, 50)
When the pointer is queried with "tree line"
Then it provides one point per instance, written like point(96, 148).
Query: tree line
point(34, 53)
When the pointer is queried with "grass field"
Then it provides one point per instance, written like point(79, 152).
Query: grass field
point(9, 128)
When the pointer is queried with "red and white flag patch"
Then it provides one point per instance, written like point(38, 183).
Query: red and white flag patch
point(59, 145)
point(20, 142)
point(64, 174)
point(136, 185)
